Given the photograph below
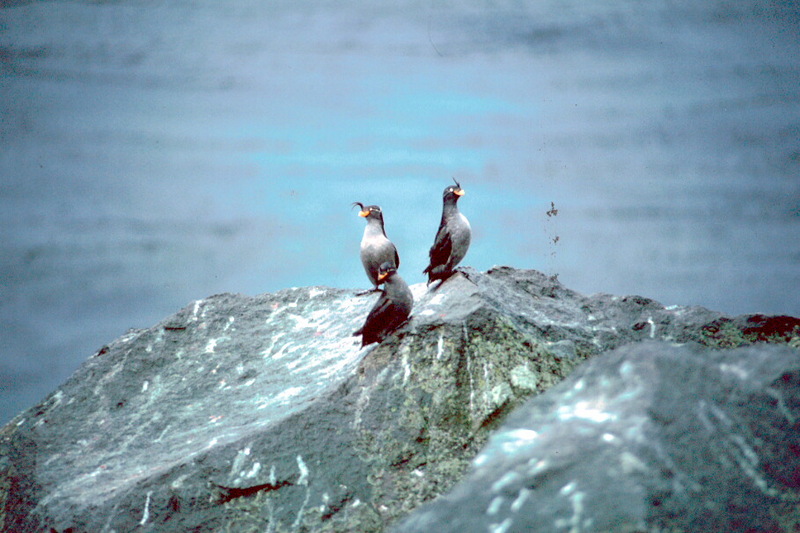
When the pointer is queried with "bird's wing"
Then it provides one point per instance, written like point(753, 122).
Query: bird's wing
point(441, 249)
point(380, 310)
point(375, 324)
point(396, 257)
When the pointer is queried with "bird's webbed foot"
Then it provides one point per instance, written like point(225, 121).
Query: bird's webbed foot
point(370, 291)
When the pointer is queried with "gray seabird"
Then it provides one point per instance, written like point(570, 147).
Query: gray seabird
point(452, 239)
point(391, 310)
point(376, 248)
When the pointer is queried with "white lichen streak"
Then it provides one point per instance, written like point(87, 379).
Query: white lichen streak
point(782, 405)
point(747, 458)
point(363, 400)
point(196, 310)
point(268, 351)
point(517, 504)
point(211, 346)
point(326, 360)
point(146, 512)
point(537, 466)
point(652, 327)
point(161, 435)
point(303, 480)
point(586, 411)
point(286, 395)
point(406, 367)
point(254, 470)
point(229, 324)
point(487, 390)
point(494, 505)
point(145, 385)
point(507, 479)
point(520, 438)
point(320, 315)
point(576, 498)
point(471, 384)
point(630, 464)
point(502, 527)
point(734, 444)
point(178, 482)
point(436, 300)
point(56, 400)
point(285, 350)
point(736, 370)
point(440, 346)
point(302, 322)
point(313, 292)
point(507, 443)
point(301, 466)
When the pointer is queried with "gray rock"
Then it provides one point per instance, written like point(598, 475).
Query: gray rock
point(262, 414)
point(649, 437)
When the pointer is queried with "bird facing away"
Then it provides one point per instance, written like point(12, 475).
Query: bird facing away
point(376, 248)
point(391, 310)
point(452, 239)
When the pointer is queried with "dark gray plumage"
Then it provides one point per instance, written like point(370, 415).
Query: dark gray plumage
point(391, 310)
point(452, 239)
point(376, 248)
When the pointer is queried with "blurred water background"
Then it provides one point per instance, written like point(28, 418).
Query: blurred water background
point(155, 152)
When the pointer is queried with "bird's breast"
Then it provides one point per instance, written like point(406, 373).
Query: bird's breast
point(374, 242)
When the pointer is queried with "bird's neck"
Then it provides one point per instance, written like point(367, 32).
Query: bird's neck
point(394, 284)
point(450, 209)
point(374, 227)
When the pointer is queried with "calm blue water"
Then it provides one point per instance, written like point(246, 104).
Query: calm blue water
point(153, 153)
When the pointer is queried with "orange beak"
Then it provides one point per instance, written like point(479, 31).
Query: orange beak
point(363, 213)
point(460, 192)
point(382, 276)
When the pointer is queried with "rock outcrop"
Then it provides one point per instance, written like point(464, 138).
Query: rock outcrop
point(648, 437)
point(262, 414)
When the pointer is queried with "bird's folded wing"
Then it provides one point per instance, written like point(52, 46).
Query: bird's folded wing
point(379, 313)
point(441, 249)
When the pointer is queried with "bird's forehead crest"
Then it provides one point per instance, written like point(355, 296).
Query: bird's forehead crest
point(454, 189)
point(366, 210)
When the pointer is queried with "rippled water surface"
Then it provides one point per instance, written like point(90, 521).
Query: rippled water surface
point(153, 153)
